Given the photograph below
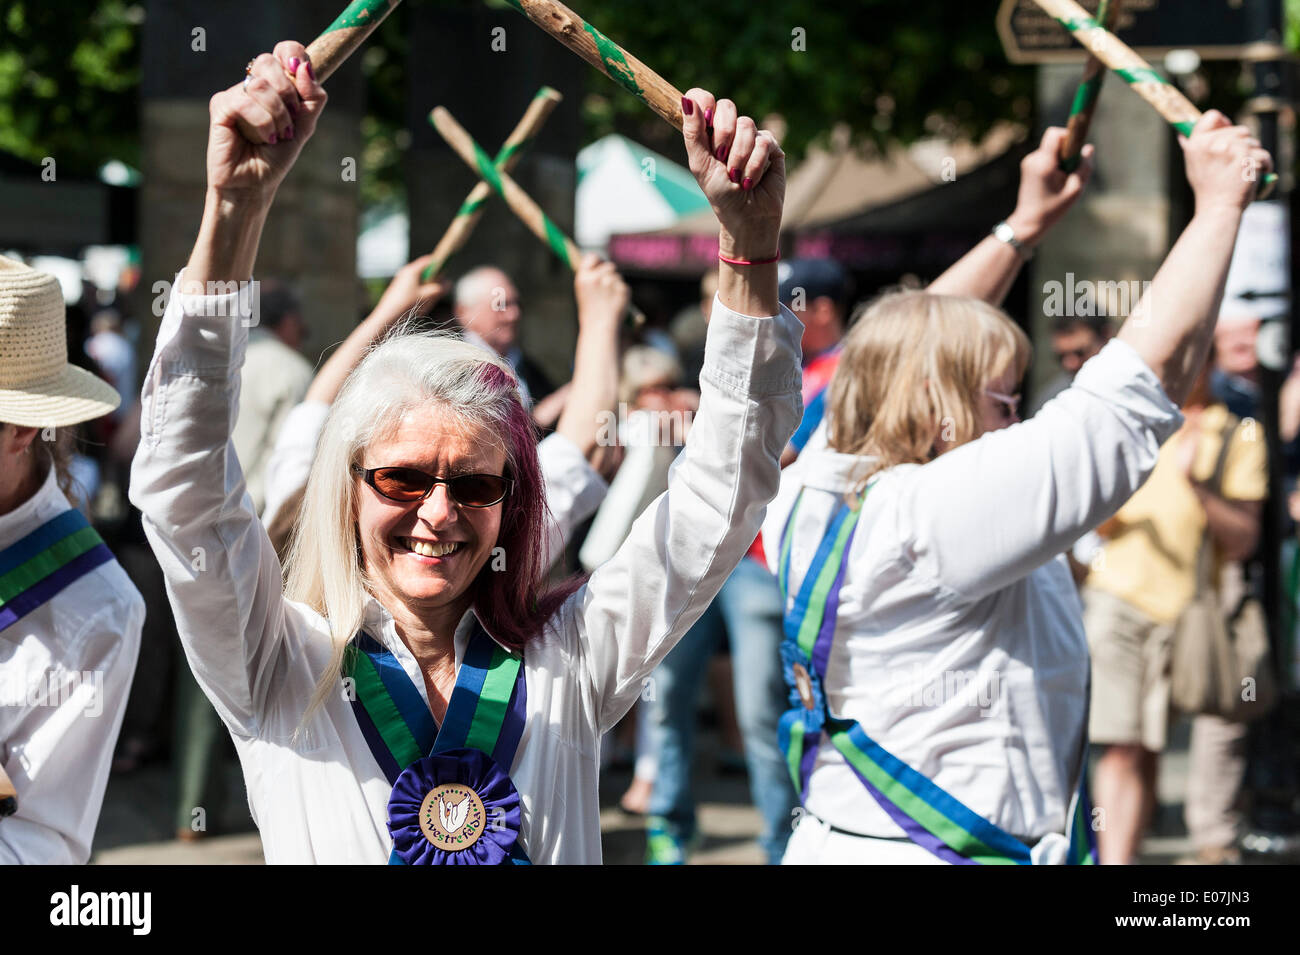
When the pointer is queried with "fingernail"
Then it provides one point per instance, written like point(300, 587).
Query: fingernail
point(747, 184)
point(294, 62)
point(288, 132)
point(708, 117)
point(311, 72)
point(722, 152)
point(274, 139)
point(734, 175)
point(688, 108)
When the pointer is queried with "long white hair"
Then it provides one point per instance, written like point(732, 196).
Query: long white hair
point(408, 369)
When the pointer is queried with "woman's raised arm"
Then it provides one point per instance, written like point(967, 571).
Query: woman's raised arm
point(683, 547)
point(223, 578)
point(1171, 327)
point(256, 130)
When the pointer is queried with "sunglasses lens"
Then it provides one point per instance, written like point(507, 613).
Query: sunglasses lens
point(401, 484)
point(478, 490)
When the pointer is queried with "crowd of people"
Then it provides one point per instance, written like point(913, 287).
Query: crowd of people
point(931, 607)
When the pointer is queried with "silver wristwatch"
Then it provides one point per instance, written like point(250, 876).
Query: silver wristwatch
point(1004, 233)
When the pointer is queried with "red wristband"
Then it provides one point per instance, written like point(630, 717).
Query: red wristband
point(775, 258)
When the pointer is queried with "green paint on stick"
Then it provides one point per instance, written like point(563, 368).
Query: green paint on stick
point(1086, 95)
point(616, 65)
point(555, 239)
point(360, 13)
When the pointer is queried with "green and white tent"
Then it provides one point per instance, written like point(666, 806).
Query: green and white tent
point(624, 187)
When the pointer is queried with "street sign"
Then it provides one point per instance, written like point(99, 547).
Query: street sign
point(1216, 29)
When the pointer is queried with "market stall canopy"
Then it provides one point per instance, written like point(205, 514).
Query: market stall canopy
point(384, 243)
point(838, 189)
point(624, 187)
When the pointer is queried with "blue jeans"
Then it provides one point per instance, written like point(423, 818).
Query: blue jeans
point(749, 607)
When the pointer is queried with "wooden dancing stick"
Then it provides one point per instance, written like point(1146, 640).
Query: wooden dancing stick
point(348, 31)
point(520, 202)
point(1085, 98)
point(1166, 98)
point(471, 210)
point(605, 55)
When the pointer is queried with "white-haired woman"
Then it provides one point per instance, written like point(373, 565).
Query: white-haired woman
point(935, 646)
point(415, 694)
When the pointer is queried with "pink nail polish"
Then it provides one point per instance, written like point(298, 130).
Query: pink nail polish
point(274, 139)
point(294, 62)
point(288, 132)
point(734, 175)
point(688, 108)
point(722, 152)
point(708, 117)
point(311, 72)
point(747, 184)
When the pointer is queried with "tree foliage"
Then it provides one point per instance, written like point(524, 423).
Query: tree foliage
point(886, 69)
point(889, 70)
point(69, 73)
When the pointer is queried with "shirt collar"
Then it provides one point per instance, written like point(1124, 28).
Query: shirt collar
point(378, 622)
point(46, 503)
point(827, 470)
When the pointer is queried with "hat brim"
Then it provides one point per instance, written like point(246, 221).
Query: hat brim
point(70, 397)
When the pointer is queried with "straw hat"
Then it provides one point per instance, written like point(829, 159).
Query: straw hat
point(38, 388)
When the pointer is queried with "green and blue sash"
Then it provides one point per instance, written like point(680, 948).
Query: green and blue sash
point(486, 711)
point(931, 817)
point(34, 569)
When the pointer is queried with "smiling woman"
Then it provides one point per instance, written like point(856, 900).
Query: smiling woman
point(439, 410)
point(408, 696)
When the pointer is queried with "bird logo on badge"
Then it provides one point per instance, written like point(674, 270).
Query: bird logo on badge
point(452, 817)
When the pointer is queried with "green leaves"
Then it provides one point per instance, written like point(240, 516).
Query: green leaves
point(69, 72)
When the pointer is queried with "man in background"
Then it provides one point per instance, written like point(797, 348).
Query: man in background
point(819, 292)
point(275, 378)
point(488, 311)
point(1075, 339)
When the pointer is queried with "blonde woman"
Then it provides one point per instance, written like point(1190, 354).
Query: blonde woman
point(416, 694)
point(934, 640)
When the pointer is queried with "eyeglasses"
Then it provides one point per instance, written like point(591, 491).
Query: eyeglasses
point(1010, 403)
point(407, 485)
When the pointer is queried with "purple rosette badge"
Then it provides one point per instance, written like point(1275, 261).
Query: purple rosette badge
point(454, 808)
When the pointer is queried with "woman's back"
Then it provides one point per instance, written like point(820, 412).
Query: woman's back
point(958, 645)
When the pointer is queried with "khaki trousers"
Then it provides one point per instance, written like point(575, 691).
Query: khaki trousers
point(1214, 780)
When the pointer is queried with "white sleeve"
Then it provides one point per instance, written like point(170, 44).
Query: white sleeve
point(641, 478)
point(223, 578)
point(987, 513)
point(61, 768)
point(683, 547)
point(295, 450)
point(574, 489)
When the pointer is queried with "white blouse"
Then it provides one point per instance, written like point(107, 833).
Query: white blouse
point(258, 655)
point(959, 646)
point(65, 675)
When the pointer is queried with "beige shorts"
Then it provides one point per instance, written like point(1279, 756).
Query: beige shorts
point(1130, 672)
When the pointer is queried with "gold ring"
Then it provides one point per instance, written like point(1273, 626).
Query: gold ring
point(248, 70)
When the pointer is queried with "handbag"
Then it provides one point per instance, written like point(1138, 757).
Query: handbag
point(1220, 663)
